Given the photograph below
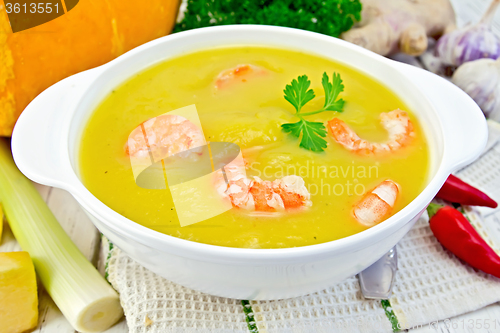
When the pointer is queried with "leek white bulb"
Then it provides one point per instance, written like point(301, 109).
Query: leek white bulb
point(87, 301)
point(481, 80)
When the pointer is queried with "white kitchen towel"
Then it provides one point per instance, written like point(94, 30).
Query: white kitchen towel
point(431, 284)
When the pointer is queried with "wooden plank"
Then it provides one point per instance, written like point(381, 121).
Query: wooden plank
point(8, 242)
point(51, 320)
point(120, 327)
point(75, 222)
point(43, 190)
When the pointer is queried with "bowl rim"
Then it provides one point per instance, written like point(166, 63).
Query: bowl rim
point(216, 253)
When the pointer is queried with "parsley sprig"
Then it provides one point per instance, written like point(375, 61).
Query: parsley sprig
point(330, 17)
point(298, 94)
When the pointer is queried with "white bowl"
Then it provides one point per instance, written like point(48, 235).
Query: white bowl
point(45, 143)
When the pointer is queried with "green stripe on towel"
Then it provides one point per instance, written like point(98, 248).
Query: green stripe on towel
point(390, 315)
point(108, 257)
point(249, 317)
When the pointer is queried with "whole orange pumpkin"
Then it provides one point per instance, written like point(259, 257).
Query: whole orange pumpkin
point(91, 34)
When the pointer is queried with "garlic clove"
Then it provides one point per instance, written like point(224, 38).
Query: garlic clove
point(480, 79)
point(470, 43)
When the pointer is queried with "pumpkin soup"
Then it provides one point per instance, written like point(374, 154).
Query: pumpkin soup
point(338, 154)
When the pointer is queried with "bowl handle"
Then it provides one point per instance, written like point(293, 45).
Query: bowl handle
point(40, 136)
point(463, 123)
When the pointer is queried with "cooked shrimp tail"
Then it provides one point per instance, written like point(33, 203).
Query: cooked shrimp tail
point(260, 195)
point(163, 136)
point(397, 123)
point(167, 135)
point(377, 204)
point(238, 74)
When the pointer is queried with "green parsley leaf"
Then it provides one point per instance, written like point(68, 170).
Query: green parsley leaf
point(298, 92)
point(332, 91)
point(312, 134)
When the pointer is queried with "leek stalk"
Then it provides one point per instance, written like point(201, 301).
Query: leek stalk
point(84, 297)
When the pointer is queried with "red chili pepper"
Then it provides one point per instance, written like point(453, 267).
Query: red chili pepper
point(458, 191)
point(455, 233)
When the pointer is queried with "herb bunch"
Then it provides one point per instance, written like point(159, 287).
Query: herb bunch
point(330, 17)
point(298, 94)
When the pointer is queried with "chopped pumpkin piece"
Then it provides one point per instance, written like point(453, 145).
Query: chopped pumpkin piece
point(1, 223)
point(89, 35)
point(18, 293)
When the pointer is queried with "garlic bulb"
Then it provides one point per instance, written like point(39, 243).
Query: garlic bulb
point(471, 42)
point(481, 80)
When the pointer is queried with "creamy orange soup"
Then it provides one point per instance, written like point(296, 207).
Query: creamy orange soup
point(250, 114)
